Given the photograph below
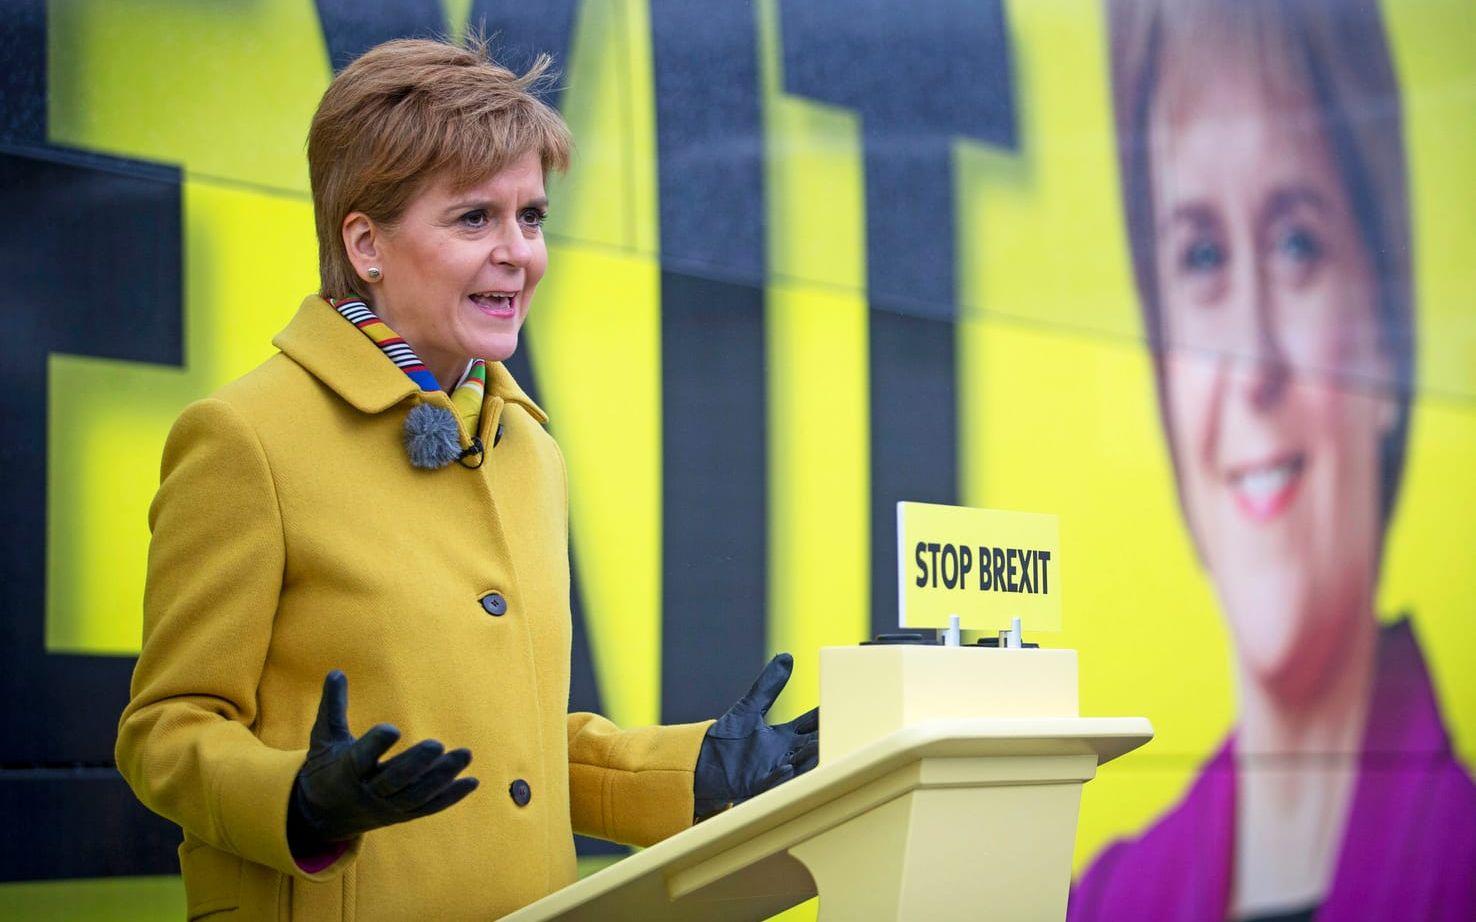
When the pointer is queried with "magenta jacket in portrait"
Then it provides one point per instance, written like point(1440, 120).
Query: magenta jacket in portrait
point(1409, 851)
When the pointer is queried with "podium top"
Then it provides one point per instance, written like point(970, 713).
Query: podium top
point(653, 883)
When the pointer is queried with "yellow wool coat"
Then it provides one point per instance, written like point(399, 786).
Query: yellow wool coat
point(291, 536)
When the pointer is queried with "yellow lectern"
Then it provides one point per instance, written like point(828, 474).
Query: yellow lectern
point(948, 788)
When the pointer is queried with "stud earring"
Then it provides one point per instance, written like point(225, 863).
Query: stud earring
point(373, 273)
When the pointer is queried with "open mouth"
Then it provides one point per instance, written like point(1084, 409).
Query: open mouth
point(1263, 491)
point(495, 303)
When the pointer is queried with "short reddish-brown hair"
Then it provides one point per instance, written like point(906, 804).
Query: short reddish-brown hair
point(410, 110)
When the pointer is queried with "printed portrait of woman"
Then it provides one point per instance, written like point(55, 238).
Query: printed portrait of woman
point(1265, 195)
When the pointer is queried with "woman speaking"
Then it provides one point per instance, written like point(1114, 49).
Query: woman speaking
point(379, 507)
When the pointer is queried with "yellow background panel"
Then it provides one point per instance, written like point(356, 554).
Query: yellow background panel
point(224, 89)
point(594, 339)
point(594, 332)
point(249, 258)
point(819, 481)
point(815, 179)
point(103, 450)
point(609, 195)
point(819, 474)
point(818, 376)
point(1427, 562)
point(129, 899)
point(1432, 45)
point(1038, 230)
point(228, 91)
point(458, 13)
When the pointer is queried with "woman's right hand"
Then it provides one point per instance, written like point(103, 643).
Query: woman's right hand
point(343, 790)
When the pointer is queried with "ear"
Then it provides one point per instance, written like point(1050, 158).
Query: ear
point(362, 240)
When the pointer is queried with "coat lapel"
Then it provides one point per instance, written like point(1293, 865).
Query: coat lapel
point(332, 350)
point(500, 382)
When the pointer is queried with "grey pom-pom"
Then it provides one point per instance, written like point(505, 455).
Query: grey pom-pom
point(431, 437)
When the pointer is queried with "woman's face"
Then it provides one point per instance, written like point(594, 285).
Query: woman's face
point(1273, 378)
point(460, 266)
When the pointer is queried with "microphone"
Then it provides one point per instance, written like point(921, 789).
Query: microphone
point(432, 440)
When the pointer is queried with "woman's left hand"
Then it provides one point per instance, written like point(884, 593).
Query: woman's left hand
point(343, 789)
point(743, 755)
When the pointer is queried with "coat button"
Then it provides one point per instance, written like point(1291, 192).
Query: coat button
point(494, 604)
point(520, 792)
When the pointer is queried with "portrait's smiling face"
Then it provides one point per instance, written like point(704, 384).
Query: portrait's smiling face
point(459, 267)
point(1274, 381)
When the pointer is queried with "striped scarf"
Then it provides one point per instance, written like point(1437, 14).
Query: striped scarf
point(466, 396)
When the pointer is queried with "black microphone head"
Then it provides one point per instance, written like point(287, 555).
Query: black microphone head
point(431, 438)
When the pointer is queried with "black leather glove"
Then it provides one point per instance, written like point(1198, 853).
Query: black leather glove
point(742, 755)
point(343, 789)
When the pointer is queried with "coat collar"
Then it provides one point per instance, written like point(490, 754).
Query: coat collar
point(351, 365)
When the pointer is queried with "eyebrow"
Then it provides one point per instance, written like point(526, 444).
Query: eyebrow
point(1289, 199)
point(1283, 201)
point(540, 203)
point(1195, 214)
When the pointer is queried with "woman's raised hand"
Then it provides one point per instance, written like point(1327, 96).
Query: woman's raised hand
point(743, 754)
point(343, 789)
